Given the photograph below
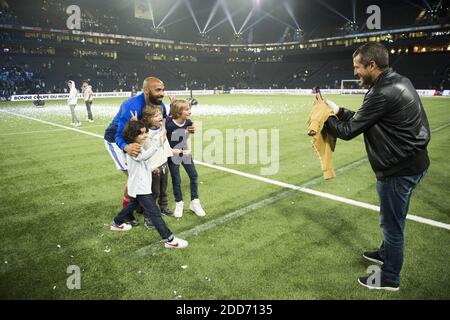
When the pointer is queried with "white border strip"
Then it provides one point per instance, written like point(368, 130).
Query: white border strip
point(274, 182)
point(127, 94)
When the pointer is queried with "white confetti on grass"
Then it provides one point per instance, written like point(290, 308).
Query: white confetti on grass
point(221, 110)
point(184, 267)
point(107, 249)
point(110, 110)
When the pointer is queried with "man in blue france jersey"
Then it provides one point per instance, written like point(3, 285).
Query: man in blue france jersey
point(152, 95)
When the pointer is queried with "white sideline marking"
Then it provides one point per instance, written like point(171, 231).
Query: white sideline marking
point(53, 124)
point(240, 212)
point(441, 127)
point(279, 183)
point(324, 195)
point(218, 221)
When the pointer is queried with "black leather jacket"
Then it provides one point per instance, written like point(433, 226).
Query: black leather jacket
point(394, 123)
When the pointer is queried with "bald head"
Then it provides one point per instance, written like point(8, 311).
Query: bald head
point(154, 90)
point(151, 82)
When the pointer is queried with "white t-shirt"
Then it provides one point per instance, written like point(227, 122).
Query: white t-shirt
point(87, 93)
point(73, 95)
point(160, 157)
point(139, 173)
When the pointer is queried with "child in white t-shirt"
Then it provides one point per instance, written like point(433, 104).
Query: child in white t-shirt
point(140, 187)
point(153, 119)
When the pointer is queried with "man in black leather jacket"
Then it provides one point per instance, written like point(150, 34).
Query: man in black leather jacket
point(396, 135)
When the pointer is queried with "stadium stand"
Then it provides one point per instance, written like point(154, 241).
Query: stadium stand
point(40, 54)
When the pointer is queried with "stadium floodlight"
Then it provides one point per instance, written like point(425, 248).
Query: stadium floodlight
point(333, 10)
point(288, 8)
point(247, 19)
point(171, 10)
point(151, 12)
point(159, 30)
point(228, 15)
point(266, 14)
point(298, 35)
point(211, 14)
point(354, 10)
point(238, 37)
point(191, 11)
point(279, 20)
point(203, 37)
point(217, 24)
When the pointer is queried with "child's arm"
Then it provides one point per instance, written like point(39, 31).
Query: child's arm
point(188, 151)
point(147, 154)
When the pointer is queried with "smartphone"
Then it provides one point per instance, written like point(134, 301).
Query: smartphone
point(317, 91)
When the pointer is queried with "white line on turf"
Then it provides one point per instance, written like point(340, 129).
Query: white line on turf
point(218, 221)
point(240, 212)
point(441, 127)
point(277, 183)
point(53, 124)
point(323, 195)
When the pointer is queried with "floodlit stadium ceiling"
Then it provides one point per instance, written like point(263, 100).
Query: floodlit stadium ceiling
point(257, 21)
point(254, 21)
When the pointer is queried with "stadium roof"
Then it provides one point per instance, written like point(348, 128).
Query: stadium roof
point(248, 21)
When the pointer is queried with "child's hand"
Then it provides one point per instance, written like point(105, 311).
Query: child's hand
point(156, 171)
point(187, 152)
point(172, 99)
point(177, 152)
point(134, 116)
point(191, 129)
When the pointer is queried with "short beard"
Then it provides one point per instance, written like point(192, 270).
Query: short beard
point(153, 100)
point(367, 81)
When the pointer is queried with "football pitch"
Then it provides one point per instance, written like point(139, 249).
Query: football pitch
point(262, 238)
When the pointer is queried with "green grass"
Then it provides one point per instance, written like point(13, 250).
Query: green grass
point(60, 187)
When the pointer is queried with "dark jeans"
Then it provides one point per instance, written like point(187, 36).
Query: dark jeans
point(151, 211)
point(159, 186)
point(88, 108)
point(189, 166)
point(394, 194)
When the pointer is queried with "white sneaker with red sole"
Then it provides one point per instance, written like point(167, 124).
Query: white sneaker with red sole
point(176, 243)
point(120, 227)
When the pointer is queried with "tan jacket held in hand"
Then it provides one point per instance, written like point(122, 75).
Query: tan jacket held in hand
point(323, 142)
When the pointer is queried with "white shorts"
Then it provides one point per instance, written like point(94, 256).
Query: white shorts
point(117, 154)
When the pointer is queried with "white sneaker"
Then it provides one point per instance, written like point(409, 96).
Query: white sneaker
point(91, 120)
point(78, 124)
point(196, 207)
point(178, 213)
point(176, 243)
point(121, 227)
